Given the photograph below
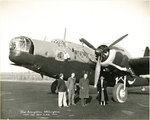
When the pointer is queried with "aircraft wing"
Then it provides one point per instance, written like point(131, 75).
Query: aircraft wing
point(140, 66)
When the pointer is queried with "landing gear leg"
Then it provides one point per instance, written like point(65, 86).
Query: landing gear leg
point(120, 91)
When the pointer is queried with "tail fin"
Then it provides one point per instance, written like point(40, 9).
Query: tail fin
point(146, 53)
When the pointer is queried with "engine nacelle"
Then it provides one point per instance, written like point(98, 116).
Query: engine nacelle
point(116, 56)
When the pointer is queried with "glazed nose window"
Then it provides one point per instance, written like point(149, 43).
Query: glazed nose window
point(12, 45)
point(21, 44)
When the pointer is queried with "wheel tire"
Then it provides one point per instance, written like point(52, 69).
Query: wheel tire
point(53, 86)
point(119, 94)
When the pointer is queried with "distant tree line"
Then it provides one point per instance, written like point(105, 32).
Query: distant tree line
point(22, 76)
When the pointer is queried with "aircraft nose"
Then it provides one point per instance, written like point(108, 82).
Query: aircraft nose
point(20, 48)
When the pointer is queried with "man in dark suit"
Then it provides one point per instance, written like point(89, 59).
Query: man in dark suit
point(61, 86)
point(101, 88)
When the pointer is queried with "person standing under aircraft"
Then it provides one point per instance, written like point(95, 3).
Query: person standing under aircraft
point(71, 83)
point(84, 89)
point(61, 86)
point(101, 87)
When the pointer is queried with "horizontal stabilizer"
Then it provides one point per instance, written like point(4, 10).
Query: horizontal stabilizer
point(146, 53)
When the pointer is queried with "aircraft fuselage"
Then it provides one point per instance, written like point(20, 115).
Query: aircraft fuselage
point(59, 56)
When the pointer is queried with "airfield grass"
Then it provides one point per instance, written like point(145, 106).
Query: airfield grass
point(34, 100)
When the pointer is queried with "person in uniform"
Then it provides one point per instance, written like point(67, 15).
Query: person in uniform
point(61, 87)
point(84, 89)
point(71, 83)
point(101, 88)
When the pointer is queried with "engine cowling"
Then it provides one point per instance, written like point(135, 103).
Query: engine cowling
point(102, 51)
point(114, 55)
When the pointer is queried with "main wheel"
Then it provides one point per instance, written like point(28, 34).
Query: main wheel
point(53, 86)
point(119, 94)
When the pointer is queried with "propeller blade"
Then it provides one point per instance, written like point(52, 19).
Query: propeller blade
point(87, 43)
point(97, 71)
point(118, 40)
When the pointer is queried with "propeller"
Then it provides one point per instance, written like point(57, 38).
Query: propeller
point(87, 43)
point(118, 40)
point(101, 52)
point(97, 71)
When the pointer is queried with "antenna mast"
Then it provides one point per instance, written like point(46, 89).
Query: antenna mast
point(44, 38)
point(65, 34)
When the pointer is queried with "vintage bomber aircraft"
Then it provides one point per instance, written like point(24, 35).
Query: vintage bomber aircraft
point(60, 56)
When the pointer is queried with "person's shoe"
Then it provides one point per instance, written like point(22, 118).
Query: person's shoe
point(60, 106)
point(85, 105)
point(74, 104)
point(66, 106)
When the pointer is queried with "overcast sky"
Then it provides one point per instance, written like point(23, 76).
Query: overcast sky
point(98, 21)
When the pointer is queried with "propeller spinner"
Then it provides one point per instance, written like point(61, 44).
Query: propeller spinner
point(102, 53)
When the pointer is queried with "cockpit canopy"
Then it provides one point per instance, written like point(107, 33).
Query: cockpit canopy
point(61, 43)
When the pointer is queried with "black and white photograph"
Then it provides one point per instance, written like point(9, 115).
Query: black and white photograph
point(74, 59)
